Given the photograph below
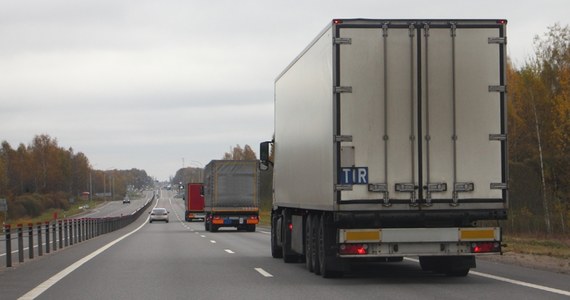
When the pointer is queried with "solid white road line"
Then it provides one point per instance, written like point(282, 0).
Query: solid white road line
point(59, 276)
point(263, 272)
point(517, 282)
point(229, 251)
point(522, 283)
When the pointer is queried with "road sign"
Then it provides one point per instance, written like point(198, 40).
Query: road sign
point(355, 175)
point(3, 205)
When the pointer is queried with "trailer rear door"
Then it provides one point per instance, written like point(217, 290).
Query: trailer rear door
point(421, 114)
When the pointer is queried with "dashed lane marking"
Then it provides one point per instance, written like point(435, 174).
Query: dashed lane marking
point(263, 272)
point(229, 251)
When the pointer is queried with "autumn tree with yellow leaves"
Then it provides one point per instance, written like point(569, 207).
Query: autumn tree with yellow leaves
point(539, 137)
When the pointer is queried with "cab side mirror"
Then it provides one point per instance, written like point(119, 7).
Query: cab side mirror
point(264, 153)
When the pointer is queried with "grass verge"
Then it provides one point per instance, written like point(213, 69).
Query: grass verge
point(555, 247)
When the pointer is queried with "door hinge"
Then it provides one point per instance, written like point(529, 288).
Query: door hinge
point(497, 40)
point(342, 89)
point(342, 138)
point(342, 41)
point(342, 187)
point(499, 186)
point(497, 137)
point(498, 88)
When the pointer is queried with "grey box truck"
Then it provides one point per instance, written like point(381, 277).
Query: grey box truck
point(390, 141)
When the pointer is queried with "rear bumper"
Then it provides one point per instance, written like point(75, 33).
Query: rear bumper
point(392, 242)
point(234, 220)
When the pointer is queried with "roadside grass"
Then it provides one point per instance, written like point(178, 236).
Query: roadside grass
point(48, 215)
point(555, 247)
point(265, 217)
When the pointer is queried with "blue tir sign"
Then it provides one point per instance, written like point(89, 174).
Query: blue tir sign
point(355, 175)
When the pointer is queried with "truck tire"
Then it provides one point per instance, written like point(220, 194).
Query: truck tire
point(315, 220)
point(214, 228)
point(276, 251)
point(309, 244)
point(250, 228)
point(325, 241)
point(206, 223)
point(288, 255)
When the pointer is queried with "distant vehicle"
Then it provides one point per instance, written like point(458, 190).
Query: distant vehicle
point(159, 214)
point(126, 200)
point(194, 202)
point(231, 194)
point(390, 141)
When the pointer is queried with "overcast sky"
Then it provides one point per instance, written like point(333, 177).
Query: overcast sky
point(162, 84)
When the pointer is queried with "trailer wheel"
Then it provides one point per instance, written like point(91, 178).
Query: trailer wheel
point(309, 244)
point(324, 243)
point(250, 228)
point(288, 255)
point(276, 251)
point(315, 220)
point(206, 223)
point(214, 228)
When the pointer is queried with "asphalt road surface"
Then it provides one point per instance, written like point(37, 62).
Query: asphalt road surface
point(179, 260)
point(108, 209)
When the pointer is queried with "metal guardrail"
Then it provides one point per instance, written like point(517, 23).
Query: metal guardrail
point(58, 234)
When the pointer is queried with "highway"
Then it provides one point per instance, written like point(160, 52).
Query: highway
point(180, 260)
point(108, 209)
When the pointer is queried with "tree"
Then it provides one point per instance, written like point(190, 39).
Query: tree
point(239, 153)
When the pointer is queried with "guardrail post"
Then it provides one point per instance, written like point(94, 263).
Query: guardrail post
point(72, 232)
point(54, 234)
point(20, 243)
point(90, 228)
point(8, 236)
point(79, 228)
point(40, 249)
point(60, 225)
point(47, 237)
point(31, 240)
point(65, 232)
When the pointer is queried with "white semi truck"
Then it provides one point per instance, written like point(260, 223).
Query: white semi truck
point(390, 141)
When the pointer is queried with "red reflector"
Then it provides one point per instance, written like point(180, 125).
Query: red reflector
point(337, 22)
point(353, 249)
point(485, 247)
point(290, 226)
point(502, 22)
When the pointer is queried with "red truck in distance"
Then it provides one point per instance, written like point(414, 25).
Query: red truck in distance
point(194, 202)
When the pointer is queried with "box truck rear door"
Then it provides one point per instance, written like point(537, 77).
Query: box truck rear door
point(421, 115)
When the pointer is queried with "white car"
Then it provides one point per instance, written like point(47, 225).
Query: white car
point(158, 214)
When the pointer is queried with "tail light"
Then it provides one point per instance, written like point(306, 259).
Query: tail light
point(217, 220)
point(252, 220)
point(484, 247)
point(353, 249)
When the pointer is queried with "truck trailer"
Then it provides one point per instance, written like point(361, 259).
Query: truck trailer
point(390, 141)
point(231, 194)
point(194, 202)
